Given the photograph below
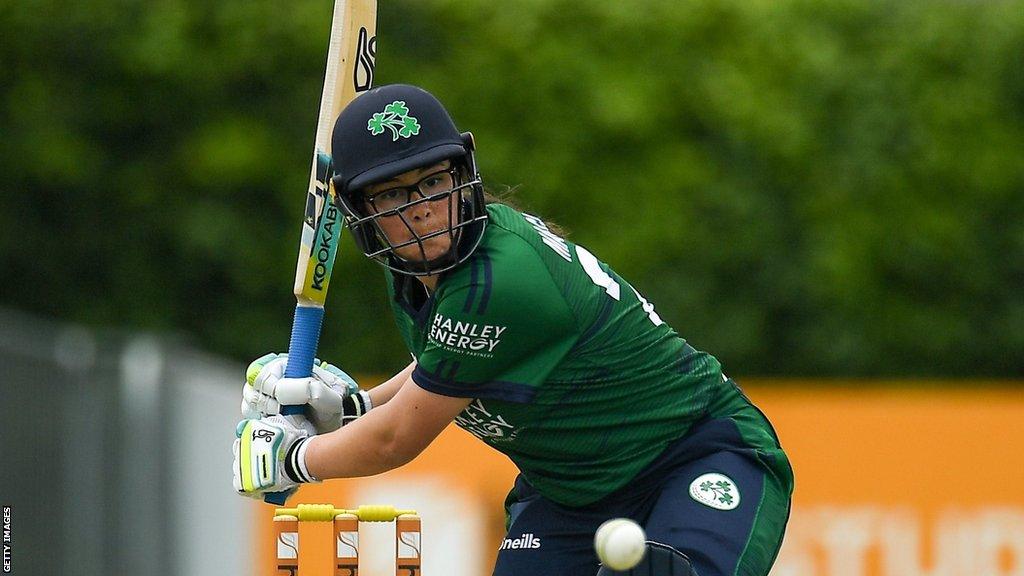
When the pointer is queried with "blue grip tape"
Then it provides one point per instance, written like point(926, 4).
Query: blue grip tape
point(302, 348)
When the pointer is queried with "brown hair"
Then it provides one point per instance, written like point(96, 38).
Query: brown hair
point(507, 198)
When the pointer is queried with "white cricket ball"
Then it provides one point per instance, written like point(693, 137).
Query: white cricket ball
point(620, 543)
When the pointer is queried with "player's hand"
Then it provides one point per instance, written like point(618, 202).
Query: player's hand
point(333, 396)
point(269, 456)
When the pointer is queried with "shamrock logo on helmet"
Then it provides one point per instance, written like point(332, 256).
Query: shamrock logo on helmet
point(395, 117)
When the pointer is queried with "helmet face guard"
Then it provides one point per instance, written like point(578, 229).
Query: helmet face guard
point(466, 213)
point(386, 132)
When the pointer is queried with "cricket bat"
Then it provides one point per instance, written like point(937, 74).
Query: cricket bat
point(350, 64)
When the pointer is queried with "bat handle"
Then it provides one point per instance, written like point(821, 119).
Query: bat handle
point(301, 352)
point(302, 347)
point(277, 498)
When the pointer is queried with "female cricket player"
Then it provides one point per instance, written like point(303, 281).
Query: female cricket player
point(537, 348)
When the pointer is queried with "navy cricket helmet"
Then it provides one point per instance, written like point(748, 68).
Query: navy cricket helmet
point(386, 132)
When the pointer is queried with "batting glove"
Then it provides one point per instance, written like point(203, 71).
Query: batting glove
point(332, 396)
point(269, 456)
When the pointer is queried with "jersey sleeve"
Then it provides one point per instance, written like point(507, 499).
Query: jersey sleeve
point(499, 334)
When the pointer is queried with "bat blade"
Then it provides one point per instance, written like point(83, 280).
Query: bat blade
point(351, 58)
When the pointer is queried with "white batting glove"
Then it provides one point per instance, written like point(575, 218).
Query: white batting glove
point(269, 456)
point(333, 397)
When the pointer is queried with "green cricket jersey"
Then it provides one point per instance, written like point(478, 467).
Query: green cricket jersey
point(573, 374)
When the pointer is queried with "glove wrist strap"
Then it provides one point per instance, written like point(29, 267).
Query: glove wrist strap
point(364, 398)
point(295, 463)
point(354, 406)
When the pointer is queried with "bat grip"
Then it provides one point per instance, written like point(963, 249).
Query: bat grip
point(302, 347)
point(301, 352)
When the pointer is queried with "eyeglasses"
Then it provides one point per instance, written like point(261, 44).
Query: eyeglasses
point(397, 197)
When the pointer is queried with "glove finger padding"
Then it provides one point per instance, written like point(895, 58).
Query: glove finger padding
point(257, 405)
point(335, 378)
point(326, 407)
point(333, 397)
point(257, 365)
point(264, 372)
point(257, 392)
point(294, 391)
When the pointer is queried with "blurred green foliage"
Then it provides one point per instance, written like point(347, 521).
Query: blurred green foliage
point(802, 187)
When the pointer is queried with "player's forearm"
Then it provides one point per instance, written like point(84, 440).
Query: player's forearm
point(381, 393)
point(386, 437)
point(364, 447)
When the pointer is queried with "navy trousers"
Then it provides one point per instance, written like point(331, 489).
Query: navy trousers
point(709, 496)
